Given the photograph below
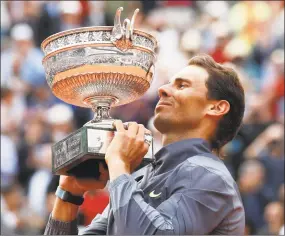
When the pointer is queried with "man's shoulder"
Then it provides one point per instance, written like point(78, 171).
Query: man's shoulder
point(206, 172)
point(209, 162)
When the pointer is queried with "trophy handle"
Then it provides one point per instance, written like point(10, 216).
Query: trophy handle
point(127, 28)
point(133, 23)
point(122, 36)
point(117, 31)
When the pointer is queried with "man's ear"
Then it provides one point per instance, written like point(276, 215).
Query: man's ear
point(218, 108)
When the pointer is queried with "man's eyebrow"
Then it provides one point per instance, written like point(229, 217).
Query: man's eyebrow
point(179, 79)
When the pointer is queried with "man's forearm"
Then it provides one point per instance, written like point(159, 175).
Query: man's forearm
point(64, 211)
point(62, 219)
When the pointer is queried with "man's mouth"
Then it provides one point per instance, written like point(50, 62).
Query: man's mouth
point(163, 103)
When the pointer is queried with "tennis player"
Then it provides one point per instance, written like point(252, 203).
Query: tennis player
point(187, 189)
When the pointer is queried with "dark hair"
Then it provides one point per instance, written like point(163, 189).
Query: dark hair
point(223, 84)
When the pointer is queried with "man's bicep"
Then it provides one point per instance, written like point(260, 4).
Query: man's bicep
point(99, 224)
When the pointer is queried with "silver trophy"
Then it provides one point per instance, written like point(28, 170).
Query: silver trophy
point(97, 68)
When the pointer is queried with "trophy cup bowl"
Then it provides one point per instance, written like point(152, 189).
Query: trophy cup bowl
point(98, 68)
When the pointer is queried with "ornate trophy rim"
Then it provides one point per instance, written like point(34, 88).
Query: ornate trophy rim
point(82, 45)
point(93, 28)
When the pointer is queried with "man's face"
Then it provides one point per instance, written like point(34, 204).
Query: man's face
point(183, 100)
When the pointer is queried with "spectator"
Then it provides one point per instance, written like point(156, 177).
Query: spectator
point(251, 179)
point(274, 217)
point(97, 13)
point(11, 203)
point(23, 61)
point(12, 112)
point(34, 133)
point(50, 197)
point(222, 35)
point(273, 83)
point(48, 19)
point(15, 214)
point(9, 161)
point(70, 15)
point(269, 148)
point(191, 42)
point(41, 161)
point(60, 118)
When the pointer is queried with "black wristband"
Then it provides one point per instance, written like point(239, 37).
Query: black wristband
point(68, 197)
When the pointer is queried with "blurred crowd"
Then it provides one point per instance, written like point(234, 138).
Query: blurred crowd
point(247, 35)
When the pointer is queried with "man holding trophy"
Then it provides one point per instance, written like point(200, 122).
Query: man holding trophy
point(185, 188)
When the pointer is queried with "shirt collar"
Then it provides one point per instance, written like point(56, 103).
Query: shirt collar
point(171, 155)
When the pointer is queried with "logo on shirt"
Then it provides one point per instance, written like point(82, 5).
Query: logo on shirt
point(152, 194)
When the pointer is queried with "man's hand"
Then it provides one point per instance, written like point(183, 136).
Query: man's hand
point(127, 149)
point(80, 186)
point(65, 211)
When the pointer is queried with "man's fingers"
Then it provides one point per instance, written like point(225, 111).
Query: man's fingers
point(133, 129)
point(118, 124)
point(141, 132)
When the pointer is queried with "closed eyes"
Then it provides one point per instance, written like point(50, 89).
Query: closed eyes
point(182, 83)
point(181, 86)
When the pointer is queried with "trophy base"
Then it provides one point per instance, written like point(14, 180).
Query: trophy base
point(80, 153)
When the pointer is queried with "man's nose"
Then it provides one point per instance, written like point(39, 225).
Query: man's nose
point(164, 91)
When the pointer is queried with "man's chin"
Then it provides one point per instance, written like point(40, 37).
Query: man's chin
point(161, 123)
